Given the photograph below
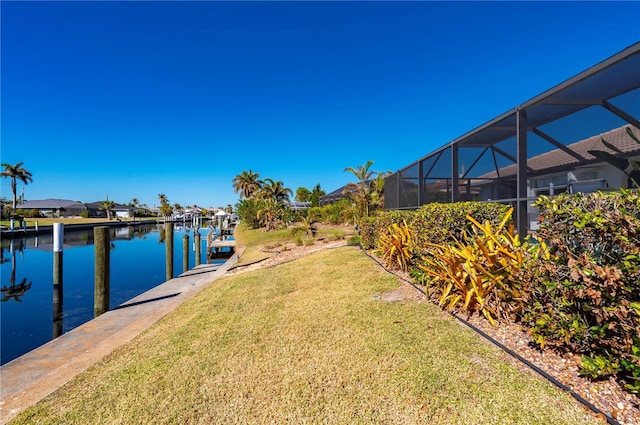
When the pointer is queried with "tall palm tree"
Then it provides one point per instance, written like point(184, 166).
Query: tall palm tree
point(276, 190)
point(247, 184)
point(362, 172)
point(360, 192)
point(16, 172)
point(134, 202)
point(163, 198)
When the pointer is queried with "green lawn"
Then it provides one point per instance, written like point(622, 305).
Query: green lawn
point(307, 342)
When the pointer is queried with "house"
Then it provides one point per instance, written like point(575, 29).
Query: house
point(572, 169)
point(526, 150)
point(119, 210)
point(55, 207)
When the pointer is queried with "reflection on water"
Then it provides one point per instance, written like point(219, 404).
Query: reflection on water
point(33, 309)
point(13, 291)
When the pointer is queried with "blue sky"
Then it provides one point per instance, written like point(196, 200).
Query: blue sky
point(133, 99)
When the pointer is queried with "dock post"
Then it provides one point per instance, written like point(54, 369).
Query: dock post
point(58, 241)
point(168, 240)
point(185, 253)
point(102, 243)
point(196, 238)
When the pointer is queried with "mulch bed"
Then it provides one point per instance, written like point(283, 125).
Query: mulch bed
point(606, 395)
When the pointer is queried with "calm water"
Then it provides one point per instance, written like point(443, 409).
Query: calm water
point(137, 265)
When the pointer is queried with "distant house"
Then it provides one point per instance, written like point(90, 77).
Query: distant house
point(55, 207)
point(119, 210)
point(298, 206)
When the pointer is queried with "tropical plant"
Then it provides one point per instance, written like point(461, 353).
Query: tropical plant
point(247, 210)
point(275, 190)
point(247, 184)
point(271, 212)
point(107, 206)
point(302, 194)
point(360, 191)
point(395, 246)
point(163, 198)
point(307, 225)
point(16, 172)
point(477, 273)
point(316, 194)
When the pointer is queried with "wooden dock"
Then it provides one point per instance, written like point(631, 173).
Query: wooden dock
point(215, 244)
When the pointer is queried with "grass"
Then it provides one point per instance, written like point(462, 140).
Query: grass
point(258, 243)
point(306, 342)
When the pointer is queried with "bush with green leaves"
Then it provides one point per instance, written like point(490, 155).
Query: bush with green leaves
point(585, 298)
point(444, 223)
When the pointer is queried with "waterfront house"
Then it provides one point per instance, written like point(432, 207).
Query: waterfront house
point(55, 207)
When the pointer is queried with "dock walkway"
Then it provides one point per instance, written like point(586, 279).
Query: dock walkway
point(31, 377)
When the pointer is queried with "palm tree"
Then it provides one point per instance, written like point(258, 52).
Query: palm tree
point(247, 184)
point(16, 172)
point(362, 172)
point(134, 203)
point(107, 206)
point(360, 192)
point(163, 198)
point(275, 190)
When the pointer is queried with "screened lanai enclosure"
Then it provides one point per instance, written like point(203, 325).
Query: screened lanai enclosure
point(539, 147)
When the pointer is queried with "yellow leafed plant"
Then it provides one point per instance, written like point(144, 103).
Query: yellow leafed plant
point(476, 271)
point(395, 246)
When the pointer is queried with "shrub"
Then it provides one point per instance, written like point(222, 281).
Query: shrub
point(475, 270)
point(443, 223)
point(586, 297)
point(395, 246)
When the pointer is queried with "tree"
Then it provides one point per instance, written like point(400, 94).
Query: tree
point(107, 206)
point(247, 184)
point(134, 203)
point(163, 198)
point(16, 172)
point(303, 194)
point(275, 190)
point(166, 209)
point(360, 192)
point(315, 195)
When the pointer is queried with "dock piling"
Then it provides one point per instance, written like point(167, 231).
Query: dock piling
point(168, 240)
point(58, 242)
point(185, 253)
point(102, 243)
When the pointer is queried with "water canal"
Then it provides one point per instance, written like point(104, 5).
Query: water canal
point(26, 309)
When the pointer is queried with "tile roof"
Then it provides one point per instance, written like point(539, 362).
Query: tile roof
point(45, 204)
point(558, 160)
